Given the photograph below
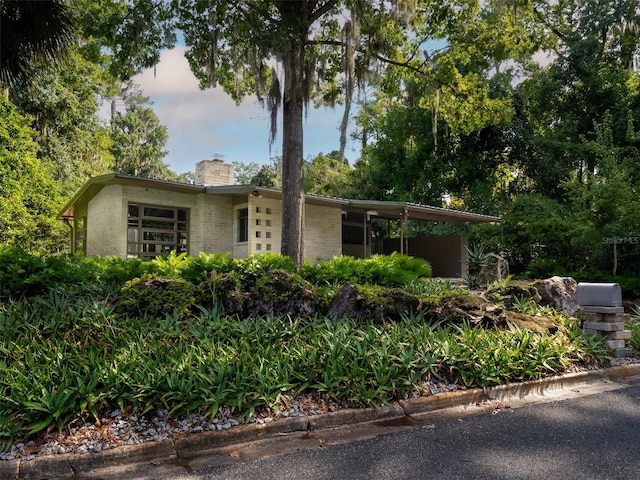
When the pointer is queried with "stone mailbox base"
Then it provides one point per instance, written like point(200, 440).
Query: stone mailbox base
point(607, 322)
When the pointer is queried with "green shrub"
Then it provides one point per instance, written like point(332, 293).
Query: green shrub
point(634, 326)
point(252, 268)
point(23, 273)
point(338, 270)
point(544, 268)
point(387, 270)
point(199, 268)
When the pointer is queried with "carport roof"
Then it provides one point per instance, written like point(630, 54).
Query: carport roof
point(415, 211)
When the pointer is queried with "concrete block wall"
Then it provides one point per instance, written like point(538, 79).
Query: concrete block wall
point(212, 225)
point(607, 323)
point(210, 220)
point(265, 225)
point(323, 232)
point(107, 223)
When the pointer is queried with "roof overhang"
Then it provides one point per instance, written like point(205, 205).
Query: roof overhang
point(414, 211)
point(94, 185)
point(373, 208)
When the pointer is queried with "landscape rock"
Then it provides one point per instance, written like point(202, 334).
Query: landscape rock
point(377, 304)
point(281, 293)
point(512, 293)
point(495, 268)
point(222, 290)
point(479, 311)
point(558, 293)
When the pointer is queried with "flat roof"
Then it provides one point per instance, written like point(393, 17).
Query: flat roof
point(375, 208)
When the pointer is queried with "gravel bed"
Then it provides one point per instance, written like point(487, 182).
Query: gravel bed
point(117, 428)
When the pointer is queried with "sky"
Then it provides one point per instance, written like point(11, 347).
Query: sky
point(203, 125)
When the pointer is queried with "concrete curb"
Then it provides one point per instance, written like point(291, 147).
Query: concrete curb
point(157, 460)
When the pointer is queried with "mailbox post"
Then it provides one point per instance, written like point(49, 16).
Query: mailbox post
point(600, 309)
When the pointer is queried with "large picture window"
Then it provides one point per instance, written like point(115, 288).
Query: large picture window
point(154, 230)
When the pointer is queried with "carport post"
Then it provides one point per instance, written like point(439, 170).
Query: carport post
point(364, 237)
point(403, 219)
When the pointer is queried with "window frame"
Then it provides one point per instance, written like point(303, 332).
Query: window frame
point(147, 233)
point(242, 231)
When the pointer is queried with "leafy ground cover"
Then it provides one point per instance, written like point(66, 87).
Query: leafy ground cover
point(67, 351)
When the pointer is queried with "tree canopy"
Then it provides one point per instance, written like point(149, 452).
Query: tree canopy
point(527, 110)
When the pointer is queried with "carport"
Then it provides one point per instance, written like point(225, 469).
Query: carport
point(447, 254)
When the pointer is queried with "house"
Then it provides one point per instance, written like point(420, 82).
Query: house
point(126, 216)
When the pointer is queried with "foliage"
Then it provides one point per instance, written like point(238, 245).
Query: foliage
point(31, 30)
point(64, 103)
point(434, 288)
point(388, 270)
point(29, 197)
point(478, 258)
point(252, 268)
point(538, 227)
point(155, 297)
point(634, 326)
point(139, 139)
point(326, 175)
point(26, 274)
point(64, 356)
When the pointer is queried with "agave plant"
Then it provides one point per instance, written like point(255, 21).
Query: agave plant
point(478, 258)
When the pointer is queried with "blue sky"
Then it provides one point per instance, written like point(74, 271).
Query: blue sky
point(207, 124)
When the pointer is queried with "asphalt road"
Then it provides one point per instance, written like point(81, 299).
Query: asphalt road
point(593, 437)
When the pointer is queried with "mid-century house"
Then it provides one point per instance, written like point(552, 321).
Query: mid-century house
point(126, 216)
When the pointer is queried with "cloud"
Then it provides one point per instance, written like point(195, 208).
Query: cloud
point(203, 122)
point(172, 75)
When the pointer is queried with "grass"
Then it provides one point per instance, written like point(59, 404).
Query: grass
point(66, 353)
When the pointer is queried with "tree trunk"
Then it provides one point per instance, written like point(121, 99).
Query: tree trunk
point(292, 152)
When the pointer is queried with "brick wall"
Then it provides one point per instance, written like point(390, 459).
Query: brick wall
point(107, 223)
point(212, 223)
point(214, 173)
point(323, 232)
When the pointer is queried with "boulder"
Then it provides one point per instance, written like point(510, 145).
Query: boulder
point(511, 293)
point(281, 293)
point(478, 311)
point(347, 303)
point(495, 268)
point(558, 293)
point(378, 304)
point(222, 291)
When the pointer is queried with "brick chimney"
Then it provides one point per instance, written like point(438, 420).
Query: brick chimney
point(214, 173)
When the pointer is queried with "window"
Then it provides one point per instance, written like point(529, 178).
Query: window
point(81, 235)
point(154, 230)
point(243, 225)
point(352, 234)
